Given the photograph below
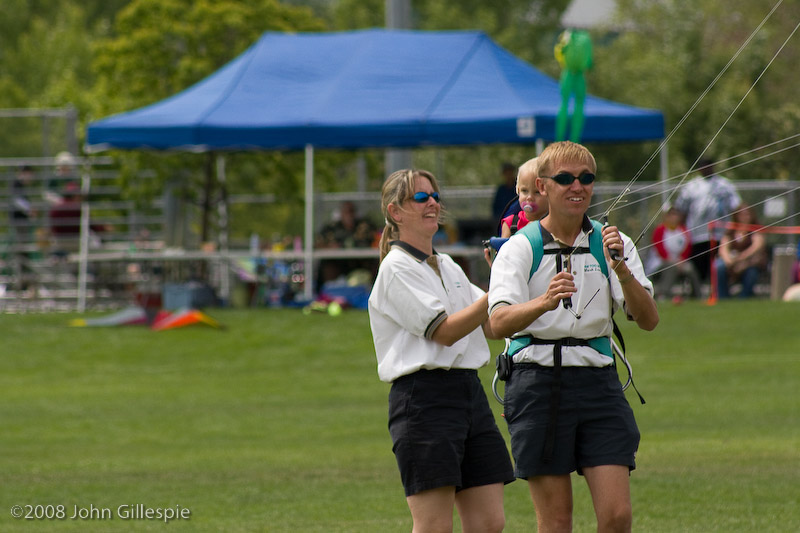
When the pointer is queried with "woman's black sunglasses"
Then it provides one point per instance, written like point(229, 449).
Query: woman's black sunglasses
point(565, 178)
point(422, 197)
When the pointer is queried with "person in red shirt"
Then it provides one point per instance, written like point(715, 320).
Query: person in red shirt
point(672, 246)
point(65, 221)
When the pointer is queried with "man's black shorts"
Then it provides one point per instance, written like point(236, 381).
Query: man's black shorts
point(595, 423)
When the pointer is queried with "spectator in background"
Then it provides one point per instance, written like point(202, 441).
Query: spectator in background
point(65, 172)
point(65, 215)
point(706, 198)
point(65, 221)
point(22, 212)
point(742, 255)
point(505, 193)
point(669, 259)
point(21, 221)
point(346, 231)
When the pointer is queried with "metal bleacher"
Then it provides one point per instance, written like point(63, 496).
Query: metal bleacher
point(131, 252)
point(36, 272)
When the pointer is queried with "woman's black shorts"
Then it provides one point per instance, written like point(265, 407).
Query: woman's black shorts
point(444, 432)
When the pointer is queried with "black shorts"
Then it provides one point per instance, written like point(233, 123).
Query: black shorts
point(595, 424)
point(444, 433)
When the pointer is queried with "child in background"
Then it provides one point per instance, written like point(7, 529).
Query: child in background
point(533, 204)
point(672, 246)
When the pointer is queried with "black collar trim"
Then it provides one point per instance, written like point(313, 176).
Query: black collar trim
point(416, 253)
point(547, 237)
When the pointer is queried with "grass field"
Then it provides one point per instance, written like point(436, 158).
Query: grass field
point(278, 423)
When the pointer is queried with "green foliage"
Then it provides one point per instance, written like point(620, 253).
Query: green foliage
point(45, 49)
point(160, 47)
point(527, 27)
point(357, 14)
point(108, 56)
point(669, 53)
point(265, 427)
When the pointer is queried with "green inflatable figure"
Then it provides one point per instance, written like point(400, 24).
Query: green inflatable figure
point(574, 53)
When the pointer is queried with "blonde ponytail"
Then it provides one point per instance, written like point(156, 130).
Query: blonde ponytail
point(389, 234)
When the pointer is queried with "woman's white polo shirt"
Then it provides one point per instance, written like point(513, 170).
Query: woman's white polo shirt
point(408, 302)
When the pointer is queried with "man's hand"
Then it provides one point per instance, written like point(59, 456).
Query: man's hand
point(562, 286)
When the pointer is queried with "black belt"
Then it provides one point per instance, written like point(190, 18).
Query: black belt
point(440, 372)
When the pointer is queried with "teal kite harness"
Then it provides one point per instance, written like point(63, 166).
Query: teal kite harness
point(533, 232)
point(505, 361)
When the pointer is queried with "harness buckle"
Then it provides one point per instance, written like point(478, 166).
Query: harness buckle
point(503, 365)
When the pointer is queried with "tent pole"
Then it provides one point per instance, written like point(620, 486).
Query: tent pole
point(225, 281)
point(83, 251)
point(664, 171)
point(308, 291)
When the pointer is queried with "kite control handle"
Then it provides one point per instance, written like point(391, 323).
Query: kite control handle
point(613, 254)
point(564, 266)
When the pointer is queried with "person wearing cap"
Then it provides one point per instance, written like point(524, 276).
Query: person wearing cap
point(428, 325)
point(65, 172)
point(564, 404)
point(65, 220)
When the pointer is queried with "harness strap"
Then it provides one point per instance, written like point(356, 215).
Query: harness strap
point(555, 403)
point(533, 232)
point(601, 344)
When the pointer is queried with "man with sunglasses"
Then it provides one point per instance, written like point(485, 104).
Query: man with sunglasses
point(554, 288)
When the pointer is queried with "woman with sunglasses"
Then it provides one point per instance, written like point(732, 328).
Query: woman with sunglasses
point(429, 324)
point(564, 404)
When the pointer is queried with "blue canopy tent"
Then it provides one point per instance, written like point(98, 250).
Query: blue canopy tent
point(368, 88)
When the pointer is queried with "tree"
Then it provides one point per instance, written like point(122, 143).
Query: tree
point(527, 28)
point(668, 54)
point(106, 56)
point(160, 47)
point(45, 57)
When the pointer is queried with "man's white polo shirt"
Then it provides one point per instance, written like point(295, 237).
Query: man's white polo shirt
point(593, 301)
point(408, 301)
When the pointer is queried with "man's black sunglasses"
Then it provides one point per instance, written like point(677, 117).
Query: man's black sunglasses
point(565, 178)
